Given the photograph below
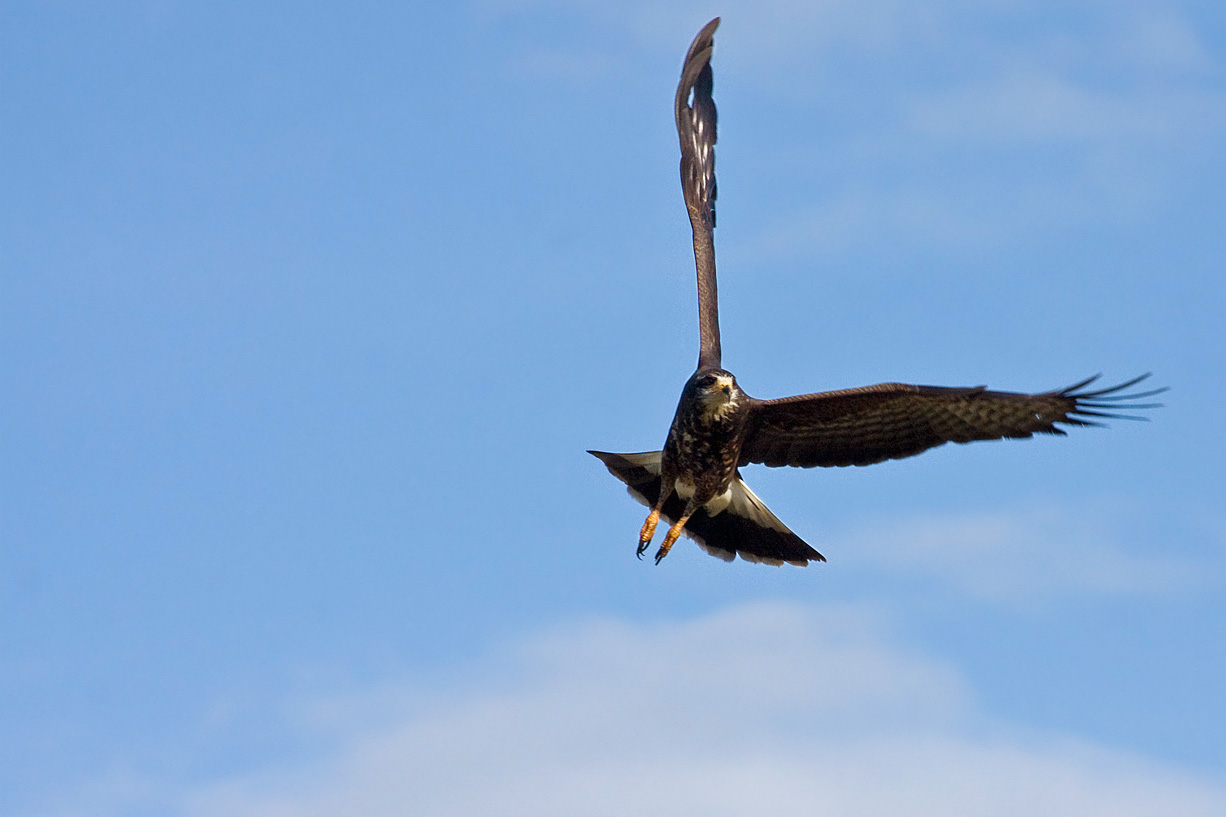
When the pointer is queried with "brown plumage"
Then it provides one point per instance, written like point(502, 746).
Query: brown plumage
point(895, 420)
point(694, 482)
point(696, 127)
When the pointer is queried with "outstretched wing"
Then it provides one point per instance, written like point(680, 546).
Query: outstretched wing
point(895, 420)
point(746, 527)
point(695, 111)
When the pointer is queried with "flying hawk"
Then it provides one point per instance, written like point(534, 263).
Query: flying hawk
point(695, 484)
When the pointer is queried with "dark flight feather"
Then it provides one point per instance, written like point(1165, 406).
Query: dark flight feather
point(696, 130)
point(895, 420)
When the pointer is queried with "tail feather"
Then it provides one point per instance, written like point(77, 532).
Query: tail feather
point(746, 528)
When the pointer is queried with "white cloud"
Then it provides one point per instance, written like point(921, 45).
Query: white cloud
point(960, 215)
point(1025, 557)
point(755, 710)
point(1157, 37)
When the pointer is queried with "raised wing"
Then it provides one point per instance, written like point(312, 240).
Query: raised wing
point(746, 528)
point(695, 111)
point(896, 420)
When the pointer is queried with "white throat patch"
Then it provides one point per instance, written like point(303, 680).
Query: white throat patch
point(716, 403)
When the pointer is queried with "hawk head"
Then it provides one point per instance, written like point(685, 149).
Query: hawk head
point(715, 392)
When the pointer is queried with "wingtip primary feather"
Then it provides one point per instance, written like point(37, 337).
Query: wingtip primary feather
point(1107, 403)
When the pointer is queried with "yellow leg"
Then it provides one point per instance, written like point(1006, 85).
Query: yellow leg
point(673, 533)
point(648, 531)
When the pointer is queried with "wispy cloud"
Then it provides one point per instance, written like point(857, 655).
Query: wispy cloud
point(761, 709)
point(954, 124)
point(1037, 105)
point(1124, 35)
point(1022, 558)
point(891, 215)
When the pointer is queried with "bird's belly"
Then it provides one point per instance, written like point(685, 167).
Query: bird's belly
point(685, 488)
point(714, 506)
point(717, 504)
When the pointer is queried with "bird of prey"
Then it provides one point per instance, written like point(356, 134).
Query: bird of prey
point(694, 483)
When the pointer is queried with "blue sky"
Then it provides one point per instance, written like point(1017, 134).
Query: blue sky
point(308, 313)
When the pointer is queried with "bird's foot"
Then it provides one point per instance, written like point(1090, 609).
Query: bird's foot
point(667, 544)
point(648, 531)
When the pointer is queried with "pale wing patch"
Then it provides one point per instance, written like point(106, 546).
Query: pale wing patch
point(746, 503)
point(720, 503)
point(648, 460)
point(740, 500)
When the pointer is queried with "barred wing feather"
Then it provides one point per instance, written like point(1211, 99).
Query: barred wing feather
point(895, 420)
